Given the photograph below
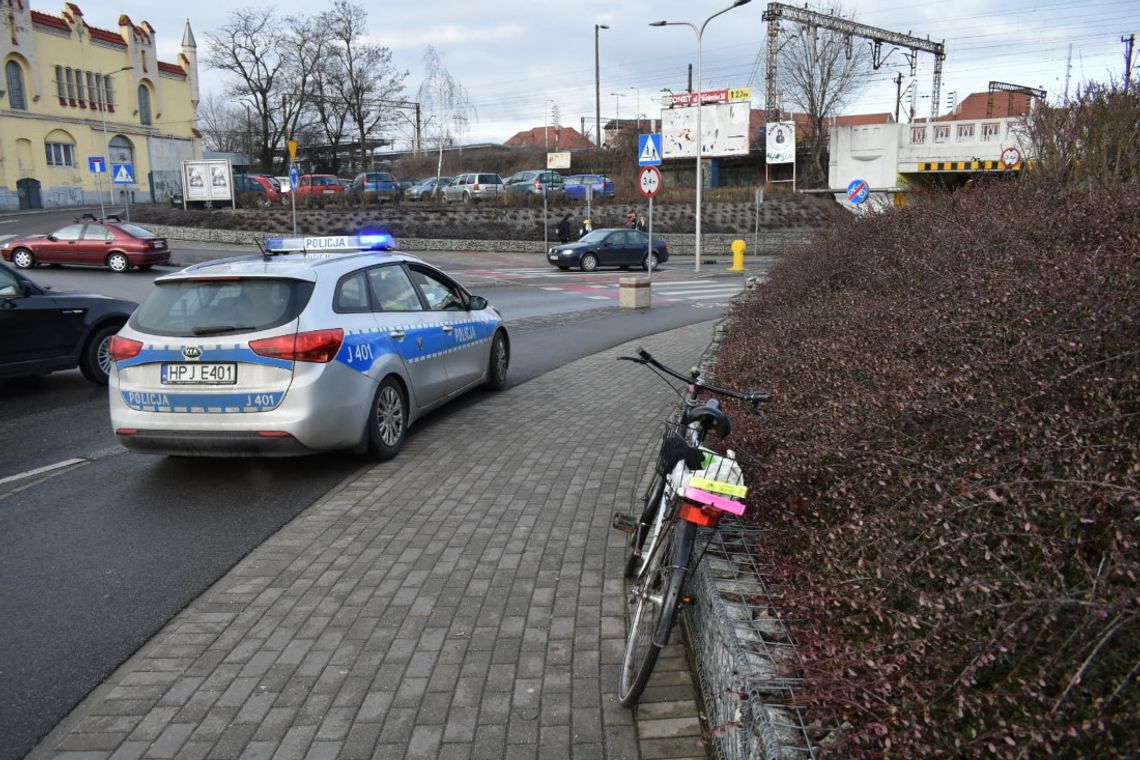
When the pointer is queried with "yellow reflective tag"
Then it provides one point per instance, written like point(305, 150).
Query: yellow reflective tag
point(719, 486)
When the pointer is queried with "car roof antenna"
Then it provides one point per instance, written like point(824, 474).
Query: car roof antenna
point(265, 255)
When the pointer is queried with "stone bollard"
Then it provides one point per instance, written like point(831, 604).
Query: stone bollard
point(633, 292)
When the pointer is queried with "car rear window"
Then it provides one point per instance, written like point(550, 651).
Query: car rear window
point(136, 231)
point(186, 308)
point(490, 179)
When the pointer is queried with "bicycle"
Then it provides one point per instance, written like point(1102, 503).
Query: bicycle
point(691, 487)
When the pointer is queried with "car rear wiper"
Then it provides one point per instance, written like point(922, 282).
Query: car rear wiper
point(219, 329)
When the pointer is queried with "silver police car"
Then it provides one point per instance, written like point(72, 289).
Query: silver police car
point(320, 343)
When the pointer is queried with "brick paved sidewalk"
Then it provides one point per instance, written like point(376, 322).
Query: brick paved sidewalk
point(462, 601)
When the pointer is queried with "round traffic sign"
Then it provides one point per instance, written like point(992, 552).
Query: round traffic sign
point(649, 181)
point(858, 191)
point(1010, 157)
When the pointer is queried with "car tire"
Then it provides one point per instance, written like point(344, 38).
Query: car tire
point(649, 260)
point(467, 199)
point(589, 262)
point(387, 420)
point(118, 262)
point(23, 258)
point(95, 361)
point(499, 362)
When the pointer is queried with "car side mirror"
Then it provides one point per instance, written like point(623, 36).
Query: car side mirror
point(476, 303)
point(52, 237)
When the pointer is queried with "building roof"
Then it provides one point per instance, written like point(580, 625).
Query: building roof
point(565, 138)
point(989, 105)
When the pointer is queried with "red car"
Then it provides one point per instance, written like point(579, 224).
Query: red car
point(314, 186)
point(110, 243)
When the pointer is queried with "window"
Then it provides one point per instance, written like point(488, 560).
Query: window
point(991, 131)
point(144, 105)
point(109, 93)
point(440, 295)
point(17, 100)
point(71, 84)
point(392, 289)
point(93, 93)
point(60, 154)
point(70, 232)
point(917, 135)
point(965, 132)
point(352, 294)
point(80, 90)
point(941, 134)
point(60, 84)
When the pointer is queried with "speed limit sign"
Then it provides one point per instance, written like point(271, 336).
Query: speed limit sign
point(649, 181)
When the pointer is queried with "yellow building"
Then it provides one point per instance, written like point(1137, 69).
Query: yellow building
point(74, 97)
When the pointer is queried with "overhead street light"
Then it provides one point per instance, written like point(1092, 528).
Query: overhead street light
point(617, 111)
point(700, 106)
point(106, 101)
point(597, 89)
point(637, 109)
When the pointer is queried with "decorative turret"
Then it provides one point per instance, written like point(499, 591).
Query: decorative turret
point(190, 62)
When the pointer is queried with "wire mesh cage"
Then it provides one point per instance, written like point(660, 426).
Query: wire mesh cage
point(743, 653)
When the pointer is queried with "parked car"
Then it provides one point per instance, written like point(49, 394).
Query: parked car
point(289, 354)
point(473, 187)
point(426, 188)
point(313, 186)
point(536, 182)
point(576, 184)
point(109, 242)
point(45, 330)
point(609, 248)
point(284, 184)
point(255, 189)
point(381, 186)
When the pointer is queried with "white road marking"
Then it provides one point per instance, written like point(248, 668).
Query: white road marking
point(40, 470)
point(551, 288)
point(722, 290)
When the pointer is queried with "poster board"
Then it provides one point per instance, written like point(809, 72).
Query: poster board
point(724, 127)
point(207, 180)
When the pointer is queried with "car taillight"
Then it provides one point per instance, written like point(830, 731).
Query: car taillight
point(124, 348)
point(320, 346)
point(476, 187)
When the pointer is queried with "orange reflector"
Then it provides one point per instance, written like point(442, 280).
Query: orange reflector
point(694, 513)
point(126, 431)
point(272, 434)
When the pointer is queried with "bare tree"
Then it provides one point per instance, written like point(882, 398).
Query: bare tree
point(224, 126)
point(306, 48)
point(251, 46)
point(445, 103)
point(819, 75)
point(365, 79)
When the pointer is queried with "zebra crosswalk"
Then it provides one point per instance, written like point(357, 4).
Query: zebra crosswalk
point(709, 291)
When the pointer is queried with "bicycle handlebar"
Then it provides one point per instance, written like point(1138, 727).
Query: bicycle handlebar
point(755, 397)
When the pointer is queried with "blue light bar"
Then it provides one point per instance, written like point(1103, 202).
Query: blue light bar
point(379, 241)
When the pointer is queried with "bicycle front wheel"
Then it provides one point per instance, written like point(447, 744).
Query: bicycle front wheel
point(642, 539)
point(652, 606)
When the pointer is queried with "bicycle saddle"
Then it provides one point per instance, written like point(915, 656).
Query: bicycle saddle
point(711, 418)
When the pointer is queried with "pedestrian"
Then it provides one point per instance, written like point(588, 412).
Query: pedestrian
point(564, 230)
point(586, 228)
point(641, 224)
point(630, 221)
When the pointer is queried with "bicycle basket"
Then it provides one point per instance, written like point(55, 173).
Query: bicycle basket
point(675, 448)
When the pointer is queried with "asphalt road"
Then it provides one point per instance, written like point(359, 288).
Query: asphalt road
point(101, 549)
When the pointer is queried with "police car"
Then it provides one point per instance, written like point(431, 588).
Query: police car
point(317, 344)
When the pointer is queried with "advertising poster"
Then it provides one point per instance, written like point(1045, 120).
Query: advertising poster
point(781, 142)
point(725, 128)
point(206, 180)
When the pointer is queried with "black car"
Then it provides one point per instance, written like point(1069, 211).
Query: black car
point(609, 248)
point(45, 331)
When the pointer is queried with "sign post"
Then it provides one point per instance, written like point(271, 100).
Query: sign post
point(649, 182)
point(294, 179)
point(98, 165)
point(124, 174)
point(858, 191)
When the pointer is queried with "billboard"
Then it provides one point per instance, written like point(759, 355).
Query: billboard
point(724, 127)
point(207, 180)
point(781, 142)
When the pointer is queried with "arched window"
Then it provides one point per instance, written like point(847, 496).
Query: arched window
point(122, 150)
point(60, 148)
point(144, 105)
point(16, 98)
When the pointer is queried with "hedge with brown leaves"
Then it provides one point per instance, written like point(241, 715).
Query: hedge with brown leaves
point(952, 480)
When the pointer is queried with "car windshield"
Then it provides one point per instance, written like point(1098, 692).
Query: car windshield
point(597, 236)
point(187, 308)
point(136, 231)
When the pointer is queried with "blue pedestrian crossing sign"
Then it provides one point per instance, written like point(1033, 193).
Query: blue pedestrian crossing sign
point(97, 164)
point(123, 174)
point(649, 150)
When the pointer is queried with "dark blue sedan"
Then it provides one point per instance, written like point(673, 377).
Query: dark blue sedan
point(601, 186)
point(610, 248)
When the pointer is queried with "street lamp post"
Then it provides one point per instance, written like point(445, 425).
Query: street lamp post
point(103, 81)
point(637, 110)
point(597, 89)
point(617, 111)
point(700, 106)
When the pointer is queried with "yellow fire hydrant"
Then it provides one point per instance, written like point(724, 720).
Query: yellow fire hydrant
point(738, 247)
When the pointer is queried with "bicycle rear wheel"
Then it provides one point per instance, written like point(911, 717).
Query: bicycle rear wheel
point(652, 605)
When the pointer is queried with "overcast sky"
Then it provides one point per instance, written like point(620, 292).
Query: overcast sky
point(518, 58)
